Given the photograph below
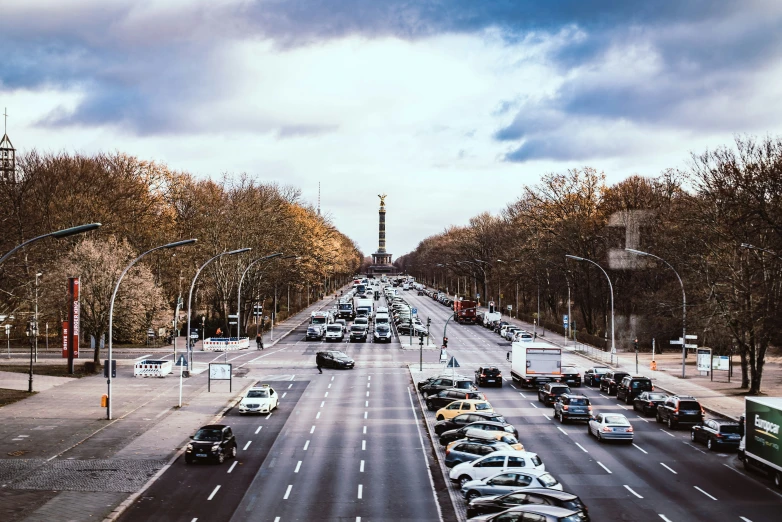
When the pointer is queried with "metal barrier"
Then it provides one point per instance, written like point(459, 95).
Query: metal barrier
point(225, 344)
point(152, 368)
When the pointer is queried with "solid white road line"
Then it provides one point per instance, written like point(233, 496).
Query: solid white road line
point(312, 429)
point(288, 492)
point(306, 445)
point(363, 445)
point(664, 517)
point(247, 445)
point(259, 429)
point(214, 492)
point(547, 417)
point(699, 489)
point(143, 356)
point(602, 466)
point(668, 433)
point(560, 429)
point(361, 468)
point(631, 491)
point(669, 469)
point(582, 447)
point(298, 466)
point(423, 451)
point(640, 448)
point(533, 405)
point(360, 490)
point(317, 416)
point(232, 466)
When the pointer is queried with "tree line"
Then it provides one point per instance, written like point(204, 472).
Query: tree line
point(717, 222)
point(143, 204)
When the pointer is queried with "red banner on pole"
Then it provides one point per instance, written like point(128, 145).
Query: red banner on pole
point(65, 339)
point(73, 318)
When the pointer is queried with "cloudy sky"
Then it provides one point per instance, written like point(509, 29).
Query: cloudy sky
point(448, 106)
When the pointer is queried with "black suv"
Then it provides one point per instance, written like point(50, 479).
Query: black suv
point(214, 442)
point(432, 378)
point(632, 386)
point(464, 419)
point(334, 359)
point(680, 409)
point(451, 435)
point(536, 496)
point(445, 397)
point(444, 383)
point(570, 376)
point(717, 434)
point(595, 374)
point(550, 391)
point(488, 375)
point(570, 406)
point(611, 380)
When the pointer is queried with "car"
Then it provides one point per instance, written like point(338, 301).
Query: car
point(647, 402)
point(261, 399)
point(536, 512)
point(631, 386)
point(463, 406)
point(449, 436)
point(364, 320)
point(488, 375)
point(494, 463)
point(381, 318)
point(570, 376)
point(469, 450)
point(314, 333)
point(481, 435)
point(549, 392)
point(445, 397)
point(334, 359)
point(334, 332)
point(463, 419)
point(680, 409)
point(570, 406)
point(213, 442)
point(532, 496)
point(717, 434)
point(593, 375)
point(343, 323)
point(499, 325)
point(444, 383)
point(510, 331)
point(382, 334)
point(358, 332)
point(415, 331)
point(382, 310)
point(506, 482)
point(610, 381)
point(610, 426)
point(523, 336)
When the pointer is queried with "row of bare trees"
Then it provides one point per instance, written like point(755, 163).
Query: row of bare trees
point(718, 223)
point(142, 205)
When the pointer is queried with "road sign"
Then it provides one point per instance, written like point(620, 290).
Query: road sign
point(690, 345)
point(182, 361)
point(234, 316)
point(452, 363)
point(415, 311)
point(688, 336)
point(564, 320)
point(704, 359)
point(510, 307)
point(676, 341)
point(477, 295)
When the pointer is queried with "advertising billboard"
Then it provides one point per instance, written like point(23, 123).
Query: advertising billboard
point(764, 418)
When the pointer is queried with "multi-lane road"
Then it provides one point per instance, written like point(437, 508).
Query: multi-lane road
point(351, 445)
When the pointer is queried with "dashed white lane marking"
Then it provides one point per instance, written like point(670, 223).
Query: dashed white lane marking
point(214, 492)
point(547, 417)
point(284, 394)
point(306, 445)
point(522, 395)
point(623, 407)
point(358, 519)
point(360, 491)
point(369, 384)
point(363, 445)
point(710, 496)
point(329, 385)
point(312, 429)
point(322, 403)
point(365, 415)
point(247, 445)
point(560, 429)
point(288, 492)
point(367, 394)
point(669, 469)
point(143, 356)
point(645, 420)
point(290, 386)
point(327, 394)
point(668, 433)
point(664, 517)
point(533, 405)
point(298, 466)
point(276, 519)
point(582, 447)
point(365, 430)
point(512, 386)
point(745, 519)
point(269, 415)
point(631, 491)
point(366, 404)
point(640, 448)
point(194, 520)
point(361, 468)
point(605, 397)
point(232, 466)
point(258, 430)
point(317, 416)
point(602, 466)
point(294, 376)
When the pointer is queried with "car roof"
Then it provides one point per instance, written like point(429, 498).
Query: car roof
point(555, 511)
point(548, 492)
point(575, 395)
point(528, 471)
point(511, 453)
point(213, 427)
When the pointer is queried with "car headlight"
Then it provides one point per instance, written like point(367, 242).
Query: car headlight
point(215, 448)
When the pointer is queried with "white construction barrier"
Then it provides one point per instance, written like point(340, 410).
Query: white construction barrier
point(152, 368)
point(225, 344)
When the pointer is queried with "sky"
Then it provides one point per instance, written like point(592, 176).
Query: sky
point(450, 107)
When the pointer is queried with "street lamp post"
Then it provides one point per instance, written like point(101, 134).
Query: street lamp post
point(239, 293)
point(35, 316)
point(111, 311)
point(611, 287)
point(684, 304)
point(57, 235)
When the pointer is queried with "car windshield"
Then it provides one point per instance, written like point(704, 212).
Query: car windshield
point(657, 396)
point(361, 320)
point(346, 307)
point(209, 435)
point(482, 406)
point(616, 420)
point(340, 355)
point(334, 328)
point(358, 328)
point(318, 320)
point(730, 428)
point(257, 394)
point(536, 460)
point(313, 329)
point(559, 390)
point(499, 418)
point(383, 329)
point(491, 371)
point(574, 504)
point(569, 369)
point(642, 385)
point(600, 370)
point(547, 480)
point(463, 385)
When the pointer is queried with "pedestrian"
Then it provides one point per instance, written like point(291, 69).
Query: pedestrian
point(319, 369)
point(507, 356)
point(259, 341)
point(219, 332)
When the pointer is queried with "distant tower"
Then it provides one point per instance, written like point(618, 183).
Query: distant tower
point(319, 198)
point(381, 260)
point(7, 154)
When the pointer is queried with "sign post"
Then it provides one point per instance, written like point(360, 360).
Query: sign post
point(220, 372)
point(703, 359)
point(73, 322)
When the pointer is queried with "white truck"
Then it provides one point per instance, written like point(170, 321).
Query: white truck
point(760, 447)
point(364, 306)
point(490, 317)
point(534, 364)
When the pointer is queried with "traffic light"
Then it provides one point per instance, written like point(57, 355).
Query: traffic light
point(258, 310)
point(445, 342)
point(635, 344)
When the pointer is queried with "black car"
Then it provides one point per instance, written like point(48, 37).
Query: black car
point(680, 410)
point(632, 386)
point(445, 397)
point(334, 359)
point(214, 442)
point(570, 376)
point(488, 375)
point(550, 391)
point(451, 435)
point(464, 419)
point(538, 513)
point(540, 496)
point(611, 380)
point(444, 383)
point(717, 434)
point(593, 375)
point(358, 332)
point(647, 402)
point(314, 333)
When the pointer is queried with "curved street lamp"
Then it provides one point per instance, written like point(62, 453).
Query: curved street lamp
point(57, 235)
point(239, 293)
point(111, 308)
point(613, 345)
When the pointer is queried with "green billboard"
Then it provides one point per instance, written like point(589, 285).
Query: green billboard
point(763, 421)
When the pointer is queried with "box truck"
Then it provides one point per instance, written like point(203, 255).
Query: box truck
point(364, 306)
point(534, 364)
point(760, 447)
point(464, 311)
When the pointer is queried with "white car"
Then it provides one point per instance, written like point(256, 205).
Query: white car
point(262, 399)
point(334, 332)
point(493, 463)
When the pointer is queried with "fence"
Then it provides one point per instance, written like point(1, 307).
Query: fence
point(225, 344)
point(152, 368)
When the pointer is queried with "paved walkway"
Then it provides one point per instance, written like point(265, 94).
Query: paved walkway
point(20, 381)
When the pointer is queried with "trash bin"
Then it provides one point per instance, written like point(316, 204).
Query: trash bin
point(653, 365)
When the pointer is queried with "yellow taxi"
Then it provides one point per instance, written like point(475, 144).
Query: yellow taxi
point(502, 436)
point(463, 406)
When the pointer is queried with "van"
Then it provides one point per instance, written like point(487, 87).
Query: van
point(381, 318)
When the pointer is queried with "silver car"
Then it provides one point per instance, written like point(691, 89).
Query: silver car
point(610, 426)
point(509, 481)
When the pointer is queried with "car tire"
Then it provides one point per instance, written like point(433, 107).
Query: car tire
point(430, 406)
point(599, 437)
point(464, 479)
point(671, 424)
point(658, 418)
point(710, 445)
point(472, 495)
point(233, 452)
point(635, 408)
point(692, 436)
point(220, 457)
point(627, 400)
point(440, 417)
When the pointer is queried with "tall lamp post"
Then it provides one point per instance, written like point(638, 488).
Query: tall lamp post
point(613, 345)
point(239, 293)
point(111, 311)
point(59, 234)
point(684, 304)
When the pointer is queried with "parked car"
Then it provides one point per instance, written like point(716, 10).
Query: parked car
point(449, 436)
point(486, 375)
point(717, 434)
point(334, 359)
point(632, 386)
point(464, 419)
point(611, 380)
point(570, 376)
point(213, 442)
point(647, 402)
point(483, 436)
point(680, 409)
point(445, 397)
point(469, 450)
point(523, 336)
point(610, 426)
point(432, 378)
point(569, 406)
point(507, 482)
point(532, 496)
point(497, 462)
point(444, 383)
point(536, 512)
point(499, 325)
point(549, 392)
point(358, 333)
point(314, 333)
point(463, 406)
point(593, 375)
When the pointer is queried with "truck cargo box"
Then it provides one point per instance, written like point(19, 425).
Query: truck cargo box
point(535, 363)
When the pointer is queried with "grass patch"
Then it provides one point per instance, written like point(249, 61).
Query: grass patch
point(11, 396)
point(52, 370)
